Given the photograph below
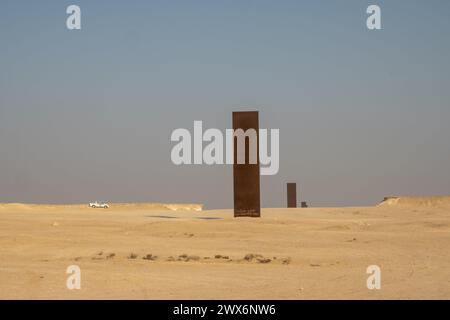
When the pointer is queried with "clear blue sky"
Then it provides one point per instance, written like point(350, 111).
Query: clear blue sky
point(88, 114)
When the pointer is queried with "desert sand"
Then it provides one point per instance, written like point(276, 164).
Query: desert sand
point(152, 251)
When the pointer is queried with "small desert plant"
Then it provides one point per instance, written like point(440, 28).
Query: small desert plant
point(150, 257)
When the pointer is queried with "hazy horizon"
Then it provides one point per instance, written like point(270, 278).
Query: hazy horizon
point(87, 114)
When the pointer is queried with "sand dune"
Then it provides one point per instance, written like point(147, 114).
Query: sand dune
point(113, 206)
point(417, 201)
point(140, 252)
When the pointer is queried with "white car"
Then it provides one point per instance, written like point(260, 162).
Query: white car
point(97, 204)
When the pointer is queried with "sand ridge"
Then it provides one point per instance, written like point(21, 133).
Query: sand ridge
point(443, 201)
point(113, 206)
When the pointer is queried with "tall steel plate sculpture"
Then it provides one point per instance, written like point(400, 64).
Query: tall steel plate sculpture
point(246, 183)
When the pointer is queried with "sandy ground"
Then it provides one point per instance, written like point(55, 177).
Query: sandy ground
point(313, 253)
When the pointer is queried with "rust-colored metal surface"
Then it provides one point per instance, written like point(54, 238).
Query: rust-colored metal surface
point(246, 185)
point(291, 195)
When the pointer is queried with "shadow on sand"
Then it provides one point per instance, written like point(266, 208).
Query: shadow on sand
point(173, 217)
